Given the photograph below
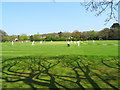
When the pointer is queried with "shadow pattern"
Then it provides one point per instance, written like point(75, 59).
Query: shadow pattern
point(55, 73)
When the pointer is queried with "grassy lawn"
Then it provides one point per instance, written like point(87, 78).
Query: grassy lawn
point(54, 65)
point(104, 48)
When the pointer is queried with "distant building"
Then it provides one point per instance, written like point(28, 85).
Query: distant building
point(42, 36)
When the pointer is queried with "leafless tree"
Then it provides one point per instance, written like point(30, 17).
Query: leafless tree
point(100, 6)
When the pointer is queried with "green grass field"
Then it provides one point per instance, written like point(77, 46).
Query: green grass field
point(54, 65)
point(105, 48)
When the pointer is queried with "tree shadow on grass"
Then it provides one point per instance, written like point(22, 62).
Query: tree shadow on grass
point(38, 71)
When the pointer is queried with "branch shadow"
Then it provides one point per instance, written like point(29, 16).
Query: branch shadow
point(32, 70)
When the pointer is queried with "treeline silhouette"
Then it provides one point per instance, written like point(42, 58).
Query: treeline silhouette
point(111, 33)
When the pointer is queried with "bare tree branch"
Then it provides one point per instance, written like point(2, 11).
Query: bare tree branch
point(101, 6)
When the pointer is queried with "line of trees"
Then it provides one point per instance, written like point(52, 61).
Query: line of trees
point(111, 33)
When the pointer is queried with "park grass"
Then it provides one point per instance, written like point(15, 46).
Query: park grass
point(105, 48)
point(54, 65)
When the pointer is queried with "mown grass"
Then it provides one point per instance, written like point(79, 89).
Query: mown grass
point(61, 72)
point(104, 48)
point(54, 65)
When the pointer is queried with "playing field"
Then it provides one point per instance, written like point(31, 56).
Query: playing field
point(54, 65)
point(56, 48)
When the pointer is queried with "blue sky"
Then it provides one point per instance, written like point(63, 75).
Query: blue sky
point(48, 17)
